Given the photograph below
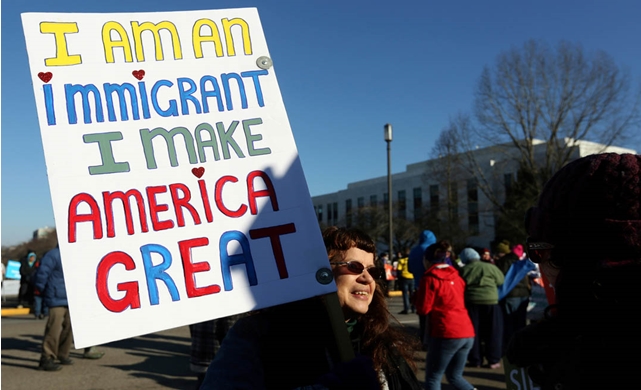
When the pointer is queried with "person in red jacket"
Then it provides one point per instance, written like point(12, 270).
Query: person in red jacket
point(449, 331)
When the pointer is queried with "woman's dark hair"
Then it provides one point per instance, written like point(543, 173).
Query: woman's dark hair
point(379, 339)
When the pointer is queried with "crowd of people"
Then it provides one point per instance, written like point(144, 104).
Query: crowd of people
point(584, 236)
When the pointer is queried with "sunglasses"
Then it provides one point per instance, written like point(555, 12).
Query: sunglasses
point(357, 268)
point(538, 251)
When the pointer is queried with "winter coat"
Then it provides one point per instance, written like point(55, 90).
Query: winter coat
point(441, 295)
point(50, 279)
point(426, 239)
point(482, 281)
point(287, 347)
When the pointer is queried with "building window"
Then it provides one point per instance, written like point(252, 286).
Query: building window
point(453, 201)
point(335, 212)
point(360, 202)
point(320, 213)
point(402, 205)
point(372, 201)
point(418, 203)
point(508, 181)
point(329, 213)
point(434, 200)
point(473, 207)
point(348, 212)
point(386, 201)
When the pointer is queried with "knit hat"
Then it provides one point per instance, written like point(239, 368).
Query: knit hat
point(591, 209)
point(503, 247)
point(518, 250)
point(468, 255)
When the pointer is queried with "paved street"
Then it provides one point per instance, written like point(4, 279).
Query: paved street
point(154, 361)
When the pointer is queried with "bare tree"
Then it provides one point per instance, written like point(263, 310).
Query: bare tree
point(535, 104)
point(556, 95)
point(447, 171)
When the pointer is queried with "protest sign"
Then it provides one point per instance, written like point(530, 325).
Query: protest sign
point(176, 185)
point(13, 270)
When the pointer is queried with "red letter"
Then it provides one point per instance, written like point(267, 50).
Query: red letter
point(205, 198)
point(273, 233)
point(190, 268)
point(219, 198)
point(155, 208)
point(179, 203)
point(252, 195)
point(131, 298)
point(108, 198)
point(93, 216)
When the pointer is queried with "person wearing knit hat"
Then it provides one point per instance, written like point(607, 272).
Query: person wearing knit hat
point(481, 299)
point(503, 247)
point(469, 255)
point(585, 234)
point(516, 300)
point(486, 255)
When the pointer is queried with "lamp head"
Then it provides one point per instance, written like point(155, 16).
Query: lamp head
point(388, 132)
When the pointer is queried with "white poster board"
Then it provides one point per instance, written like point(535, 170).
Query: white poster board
point(176, 185)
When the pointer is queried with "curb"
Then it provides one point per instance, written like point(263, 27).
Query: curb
point(394, 293)
point(15, 312)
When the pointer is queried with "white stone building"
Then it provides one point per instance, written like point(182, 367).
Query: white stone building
point(416, 189)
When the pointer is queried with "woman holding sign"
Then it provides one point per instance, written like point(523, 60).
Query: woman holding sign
point(292, 346)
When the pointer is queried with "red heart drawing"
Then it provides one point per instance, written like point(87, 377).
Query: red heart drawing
point(45, 76)
point(198, 172)
point(139, 74)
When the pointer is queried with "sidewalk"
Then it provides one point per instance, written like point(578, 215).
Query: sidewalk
point(155, 361)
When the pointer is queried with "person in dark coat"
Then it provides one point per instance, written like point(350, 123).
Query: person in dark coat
point(292, 346)
point(416, 266)
point(58, 337)
point(585, 234)
point(515, 303)
point(27, 270)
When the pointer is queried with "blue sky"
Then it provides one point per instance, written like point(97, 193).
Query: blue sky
point(345, 69)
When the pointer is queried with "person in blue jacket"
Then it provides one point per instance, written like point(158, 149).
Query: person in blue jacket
point(416, 267)
point(58, 336)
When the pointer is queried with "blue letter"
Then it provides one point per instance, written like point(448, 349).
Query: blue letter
point(70, 92)
point(254, 75)
point(172, 110)
point(226, 261)
point(154, 272)
point(241, 88)
point(51, 113)
point(120, 90)
point(205, 94)
point(143, 100)
point(186, 95)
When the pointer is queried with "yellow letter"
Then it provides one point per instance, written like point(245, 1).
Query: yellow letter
point(137, 30)
point(229, 39)
point(59, 29)
point(198, 39)
point(108, 44)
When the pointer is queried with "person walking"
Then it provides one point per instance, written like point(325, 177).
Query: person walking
point(406, 281)
point(27, 269)
point(482, 301)
point(449, 331)
point(417, 267)
point(58, 337)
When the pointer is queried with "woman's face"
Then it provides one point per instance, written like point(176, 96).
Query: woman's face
point(355, 292)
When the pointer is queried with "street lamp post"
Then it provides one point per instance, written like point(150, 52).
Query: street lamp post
point(388, 139)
